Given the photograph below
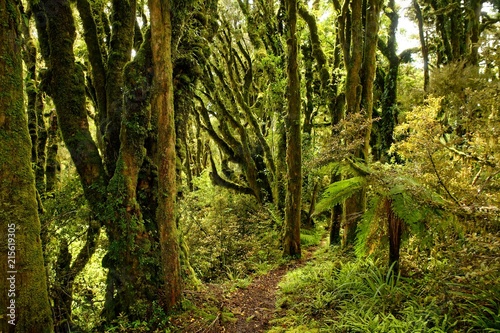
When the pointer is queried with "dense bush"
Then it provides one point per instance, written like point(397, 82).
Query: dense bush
point(229, 235)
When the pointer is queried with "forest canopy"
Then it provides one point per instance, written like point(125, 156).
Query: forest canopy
point(159, 157)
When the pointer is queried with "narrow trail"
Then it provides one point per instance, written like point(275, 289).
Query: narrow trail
point(254, 306)
point(245, 310)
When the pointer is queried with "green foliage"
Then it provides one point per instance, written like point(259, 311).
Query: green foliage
point(448, 143)
point(311, 237)
point(229, 235)
point(339, 191)
point(157, 324)
point(336, 293)
point(67, 218)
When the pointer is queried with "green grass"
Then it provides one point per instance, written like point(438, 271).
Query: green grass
point(336, 292)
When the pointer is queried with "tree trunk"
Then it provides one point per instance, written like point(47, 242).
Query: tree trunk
point(473, 31)
point(353, 56)
point(133, 258)
point(24, 299)
point(163, 107)
point(369, 67)
point(291, 240)
point(53, 166)
point(351, 37)
point(66, 85)
point(395, 226)
point(423, 44)
point(389, 107)
point(336, 216)
point(122, 39)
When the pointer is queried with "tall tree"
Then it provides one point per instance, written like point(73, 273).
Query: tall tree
point(123, 184)
point(359, 51)
point(291, 238)
point(163, 108)
point(24, 299)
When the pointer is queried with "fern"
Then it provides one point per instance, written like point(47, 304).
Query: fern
point(413, 206)
point(339, 191)
point(367, 228)
point(347, 167)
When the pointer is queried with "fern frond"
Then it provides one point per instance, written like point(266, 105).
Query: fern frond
point(367, 227)
point(359, 166)
point(414, 208)
point(339, 191)
point(339, 168)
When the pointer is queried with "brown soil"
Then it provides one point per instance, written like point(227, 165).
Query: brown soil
point(247, 310)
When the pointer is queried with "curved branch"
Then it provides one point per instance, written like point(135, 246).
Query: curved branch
point(218, 180)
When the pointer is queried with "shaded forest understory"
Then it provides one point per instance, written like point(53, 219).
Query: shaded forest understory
point(249, 166)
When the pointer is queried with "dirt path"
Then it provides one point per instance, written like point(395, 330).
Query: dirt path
point(246, 310)
point(254, 306)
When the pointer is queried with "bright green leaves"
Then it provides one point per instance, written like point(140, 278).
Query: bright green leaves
point(337, 192)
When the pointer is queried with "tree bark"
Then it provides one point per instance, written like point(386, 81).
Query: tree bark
point(66, 86)
point(121, 43)
point(395, 228)
point(423, 44)
point(24, 299)
point(369, 67)
point(389, 107)
point(352, 43)
point(53, 166)
point(291, 239)
point(163, 105)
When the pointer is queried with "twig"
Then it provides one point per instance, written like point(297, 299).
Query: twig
point(208, 327)
point(440, 180)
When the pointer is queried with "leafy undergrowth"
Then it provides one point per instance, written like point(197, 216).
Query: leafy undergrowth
point(240, 303)
point(455, 288)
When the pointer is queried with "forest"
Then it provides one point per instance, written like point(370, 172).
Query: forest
point(249, 166)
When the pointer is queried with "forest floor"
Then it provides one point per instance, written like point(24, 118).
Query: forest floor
point(239, 309)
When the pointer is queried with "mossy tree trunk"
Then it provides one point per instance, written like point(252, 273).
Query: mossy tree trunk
point(359, 51)
point(23, 285)
point(64, 82)
point(423, 43)
point(53, 165)
point(36, 123)
point(369, 66)
point(133, 258)
point(351, 39)
point(163, 107)
point(389, 107)
point(121, 95)
point(291, 238)
point(121, 43)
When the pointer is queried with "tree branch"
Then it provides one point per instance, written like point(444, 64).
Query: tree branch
point(440, 180)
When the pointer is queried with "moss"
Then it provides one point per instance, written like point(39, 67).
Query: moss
point(17, 189)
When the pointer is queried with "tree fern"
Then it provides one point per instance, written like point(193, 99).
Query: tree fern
point(400, 199)
point(367, 229)
point(339, 191)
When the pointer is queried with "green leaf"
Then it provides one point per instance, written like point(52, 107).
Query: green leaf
point(339, 191)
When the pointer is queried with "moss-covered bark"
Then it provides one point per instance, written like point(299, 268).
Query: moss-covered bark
point(66, 86)
point(23, 284)
point(64, 81)
point(133, 258)
point(96, 51)
point(163, 103)
point(120, 49)
point(36, 124)
point(291, 239)
point(53, 165)
point(395, 230)
point(369, 67)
